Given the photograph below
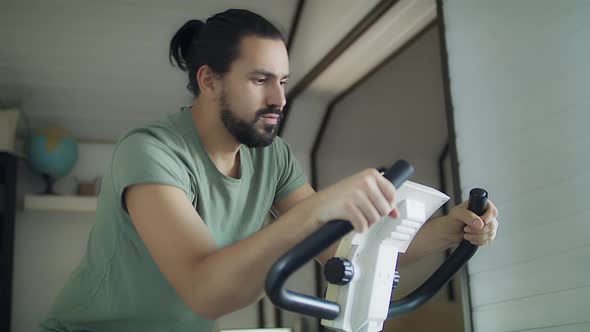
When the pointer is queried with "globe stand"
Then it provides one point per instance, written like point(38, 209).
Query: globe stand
point(49, 182)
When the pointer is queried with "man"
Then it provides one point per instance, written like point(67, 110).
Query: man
point(178, 239)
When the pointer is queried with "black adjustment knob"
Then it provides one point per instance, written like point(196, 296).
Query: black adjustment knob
point(338, 271)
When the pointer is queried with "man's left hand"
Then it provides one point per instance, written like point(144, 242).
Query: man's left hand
point(479, 230)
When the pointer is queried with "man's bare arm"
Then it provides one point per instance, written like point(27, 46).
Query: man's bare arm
point(281, 207)
point(216, 281)
point(211, 281)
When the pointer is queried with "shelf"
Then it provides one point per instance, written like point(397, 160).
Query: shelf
point(60, 203)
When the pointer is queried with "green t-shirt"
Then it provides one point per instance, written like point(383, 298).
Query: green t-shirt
point(117, 286)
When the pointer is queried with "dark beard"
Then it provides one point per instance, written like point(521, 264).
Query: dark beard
point(246, 132)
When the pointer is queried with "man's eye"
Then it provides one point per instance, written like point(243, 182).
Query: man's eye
point(284, 83)
point(260, 80)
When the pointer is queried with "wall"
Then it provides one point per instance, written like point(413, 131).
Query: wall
point(519, 81)
point(321, 27)
point(48, 245)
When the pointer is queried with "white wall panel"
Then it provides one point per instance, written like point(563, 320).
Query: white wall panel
point(520, 91)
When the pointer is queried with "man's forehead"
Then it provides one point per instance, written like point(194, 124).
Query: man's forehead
point(264, 56)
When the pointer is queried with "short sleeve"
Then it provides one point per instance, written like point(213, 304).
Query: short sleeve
point(290, 173)
point(143, 158)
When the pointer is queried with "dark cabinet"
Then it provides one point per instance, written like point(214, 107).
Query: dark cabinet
point(8, 167)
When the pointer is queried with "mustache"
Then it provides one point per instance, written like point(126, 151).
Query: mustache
point(268, 111)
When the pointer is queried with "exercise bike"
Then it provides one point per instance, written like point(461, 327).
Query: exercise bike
point(363, 274)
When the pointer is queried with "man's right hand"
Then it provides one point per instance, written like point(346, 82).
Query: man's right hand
point(363, 199)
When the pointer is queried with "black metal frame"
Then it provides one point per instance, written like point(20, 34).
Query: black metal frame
point(452, 143)
point(8, 172)
point(445, 209)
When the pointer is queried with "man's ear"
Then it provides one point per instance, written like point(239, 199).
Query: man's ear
point(208, 81)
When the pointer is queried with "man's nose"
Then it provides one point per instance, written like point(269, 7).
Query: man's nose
point(276, 96)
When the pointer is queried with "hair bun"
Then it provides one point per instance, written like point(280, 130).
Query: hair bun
point(195, 26)
point(180, 45)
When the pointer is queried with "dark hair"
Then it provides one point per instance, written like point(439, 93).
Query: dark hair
point(216, 43)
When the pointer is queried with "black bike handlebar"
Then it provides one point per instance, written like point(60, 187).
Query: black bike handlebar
point(477, 204)
point(336, 229)
point(310, 248)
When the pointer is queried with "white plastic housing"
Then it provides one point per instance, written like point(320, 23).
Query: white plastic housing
point(364, 302)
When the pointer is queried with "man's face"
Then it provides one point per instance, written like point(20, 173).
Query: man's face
point(253, 95)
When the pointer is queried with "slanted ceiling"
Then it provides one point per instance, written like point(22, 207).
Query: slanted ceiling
point(98, 68)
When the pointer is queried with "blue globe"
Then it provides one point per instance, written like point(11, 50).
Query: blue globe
point(52, 153)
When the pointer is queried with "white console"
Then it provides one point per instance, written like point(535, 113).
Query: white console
point(364, 301)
